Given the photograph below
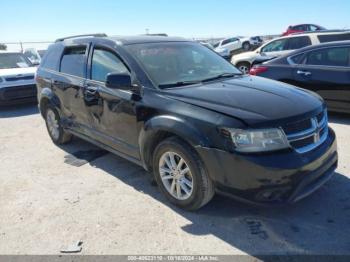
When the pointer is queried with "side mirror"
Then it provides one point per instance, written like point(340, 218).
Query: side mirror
point(118, 81)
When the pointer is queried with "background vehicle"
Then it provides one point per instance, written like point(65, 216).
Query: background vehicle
point(256, 41)
point(324, 69)
point(222, 51)
point(302, 28)
point(284, 45)
point(33, 55)
point(17, 82)
point(233, 44)
point(180, 111)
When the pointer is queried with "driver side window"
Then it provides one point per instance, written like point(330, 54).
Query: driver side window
point(275, 46)
point(105, 62)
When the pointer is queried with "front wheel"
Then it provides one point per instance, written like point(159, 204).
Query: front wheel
point(54, 127)
point(180, 175)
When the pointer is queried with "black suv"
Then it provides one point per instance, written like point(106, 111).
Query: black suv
point(188, 117)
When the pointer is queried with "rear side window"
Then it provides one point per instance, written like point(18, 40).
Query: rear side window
point(298, 42)
point(329, 57)
point(333, 37)
point(51, 58)
point(105, 62)
point(73, 61)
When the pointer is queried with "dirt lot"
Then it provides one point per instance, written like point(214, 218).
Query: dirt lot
point(49, 199)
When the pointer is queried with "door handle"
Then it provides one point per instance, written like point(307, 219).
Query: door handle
point(305, 73)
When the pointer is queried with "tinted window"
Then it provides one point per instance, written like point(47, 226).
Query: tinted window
point(51, 58)
point(13, 60)
point(73, 61)
point(334, 37)
point(329, 57)
point(297, 59)
point(227, 41)
point(278, 45)
point(298, 42)
point(300, 28)
point(105, 62)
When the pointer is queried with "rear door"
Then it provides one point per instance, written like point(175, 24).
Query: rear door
point(69, 83)
point(327, 72)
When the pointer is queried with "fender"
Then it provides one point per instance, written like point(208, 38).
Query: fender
point(170, 124)
point(47, 96)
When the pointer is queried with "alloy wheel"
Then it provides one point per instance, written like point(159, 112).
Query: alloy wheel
point(176, 175)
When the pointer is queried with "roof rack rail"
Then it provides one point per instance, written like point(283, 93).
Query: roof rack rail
point(76, 36)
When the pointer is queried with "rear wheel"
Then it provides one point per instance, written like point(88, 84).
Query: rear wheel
point(180, 174)
point(244, 67)
point(246, 46)
point(54, 127)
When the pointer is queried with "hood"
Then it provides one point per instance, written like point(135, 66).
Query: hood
point(18, 71)
point(256, 101)
point(246, 55)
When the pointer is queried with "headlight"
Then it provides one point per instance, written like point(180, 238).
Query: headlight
point(260, 140)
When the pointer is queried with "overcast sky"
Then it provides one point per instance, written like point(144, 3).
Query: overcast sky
point(44, 20)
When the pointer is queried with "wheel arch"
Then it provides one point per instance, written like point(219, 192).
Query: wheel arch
point(161, 127)
point(47, 97)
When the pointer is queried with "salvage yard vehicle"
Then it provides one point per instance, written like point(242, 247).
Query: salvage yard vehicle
point(287, 44)
point(324, 69)
point(189, 117)
point(292, 29)
point(17, 84)
point(233, 43)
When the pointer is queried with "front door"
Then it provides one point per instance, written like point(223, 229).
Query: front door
point(113, 111)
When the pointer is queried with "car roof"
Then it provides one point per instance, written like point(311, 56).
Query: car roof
point(310, 48)
point(121, 40)
point(143, 39)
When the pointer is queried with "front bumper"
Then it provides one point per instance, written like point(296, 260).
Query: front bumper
point(18, 94)
point(274, 178)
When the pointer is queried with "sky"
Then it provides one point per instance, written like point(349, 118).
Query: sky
point(46, 20)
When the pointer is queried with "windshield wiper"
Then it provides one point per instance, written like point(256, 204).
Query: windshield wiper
point(223, 75)
point(177, 84)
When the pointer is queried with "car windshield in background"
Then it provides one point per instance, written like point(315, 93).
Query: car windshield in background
point(13, 60)
point(179, 64)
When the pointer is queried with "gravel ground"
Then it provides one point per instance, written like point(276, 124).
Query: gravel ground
point(49, 200)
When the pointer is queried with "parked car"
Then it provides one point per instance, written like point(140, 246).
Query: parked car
point(256, 41)
point(324, 69)
point(222, 51)
point(302, 28)
point(189, 117)
point(232, 44)
point(17, 82)
point(284, 45)
point(33, 55)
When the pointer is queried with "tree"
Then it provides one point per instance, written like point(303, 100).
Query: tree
point(3, 47)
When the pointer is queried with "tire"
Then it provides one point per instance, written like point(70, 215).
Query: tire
point(202, 190)
point(246, 46)
point(244, 67)
point(52, 119)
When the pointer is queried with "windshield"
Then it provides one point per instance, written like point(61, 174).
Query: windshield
point(180, 63)
point(13, 60)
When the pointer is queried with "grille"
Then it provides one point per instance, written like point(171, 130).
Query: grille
point(20, 92)
point(308, 134)
point(17, 78)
